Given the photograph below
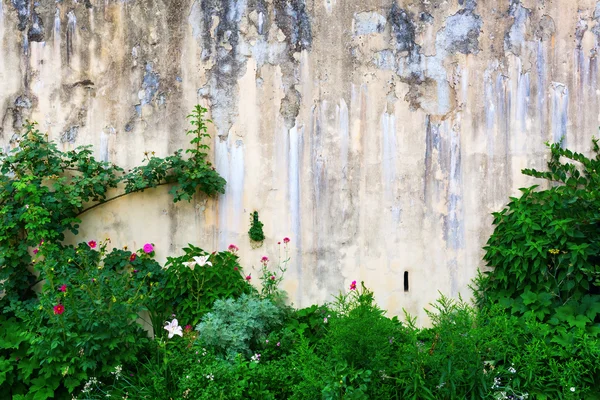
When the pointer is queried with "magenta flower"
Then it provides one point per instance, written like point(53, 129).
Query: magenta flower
point(92, 244)
point(272, 277)
point(62, 288)
point(59, 309)
point(35, 251)
point(248, 278)
point(264, 259)
point(148, 248)
point(233, 248)
point(286, 240)
point(353, 285)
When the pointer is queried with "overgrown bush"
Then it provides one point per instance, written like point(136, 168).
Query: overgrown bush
point(194, 281)
point(545, 249)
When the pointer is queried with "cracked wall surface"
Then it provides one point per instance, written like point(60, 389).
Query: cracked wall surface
point(378, 135)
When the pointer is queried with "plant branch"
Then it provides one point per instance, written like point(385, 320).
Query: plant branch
point(119, 196)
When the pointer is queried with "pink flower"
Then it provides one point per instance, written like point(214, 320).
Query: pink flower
point(148, 248)
point(272, 277)
point(248, 278)
point(188, 328)
point(59, 309)
point(278, 344)
point(133, 257)
point(92, 244)
point(264, 259)
point(35, 251)
point(235, 268)
point(62, 288)
point(286, 240)
point(232, 248)
point(353, 285)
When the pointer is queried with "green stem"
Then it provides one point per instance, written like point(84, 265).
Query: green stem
point(119, 196)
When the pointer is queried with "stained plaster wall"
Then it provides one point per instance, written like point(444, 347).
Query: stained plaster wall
point(378, 135)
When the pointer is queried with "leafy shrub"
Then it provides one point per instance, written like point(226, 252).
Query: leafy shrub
point(193, 282)
point(545, 249)
point(238, 326)
point(43, 191)
point(361, 336)
point(88, 307)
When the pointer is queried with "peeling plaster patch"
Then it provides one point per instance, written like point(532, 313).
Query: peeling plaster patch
point(223, 29)
point(150, 85)
point(546, 28)
point(229, 65)
point(426, 17)
point(36, 29)
point(427, 76)
point(22, 8)
point(385, 59)
point(21, 111)
point(468, 4)
point(596, 28)
point(366, 23)
point(293, 19)
point(460, 33)
point(403, 29)
point(70, 135)
point(514, 39)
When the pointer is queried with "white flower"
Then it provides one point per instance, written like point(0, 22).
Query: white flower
point(572, 389)
point(174, 329)
point(117, 371)
point(512, 370)
point(325, 320)
point(200, 261)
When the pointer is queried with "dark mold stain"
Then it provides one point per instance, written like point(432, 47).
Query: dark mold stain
point(426, 17)
point(546, 28)
point(70, 135)
point(403, 29)
point(293, 20)
point(222, 45)
point(36, 29)
point(22, 8)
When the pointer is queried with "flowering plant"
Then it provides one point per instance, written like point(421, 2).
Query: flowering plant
point(88, 307)
point(271, 276)
point(193, 281)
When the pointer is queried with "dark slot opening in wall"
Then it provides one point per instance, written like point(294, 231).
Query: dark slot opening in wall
point(406, 281)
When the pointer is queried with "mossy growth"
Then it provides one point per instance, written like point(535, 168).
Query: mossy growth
point(256, 228)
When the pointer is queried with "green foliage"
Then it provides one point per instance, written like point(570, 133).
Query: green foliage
point(545, 249)
point(238, 326)
point(271, 277)
point(359, 333)
point(187, 176)
point(193, 282)
point(42, 191)
point(85, 324)
point(256, 228)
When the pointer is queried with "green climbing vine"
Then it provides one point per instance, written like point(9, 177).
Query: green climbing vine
point(44, 190)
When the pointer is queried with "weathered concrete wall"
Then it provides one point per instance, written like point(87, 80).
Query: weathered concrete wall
point(378, 135)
